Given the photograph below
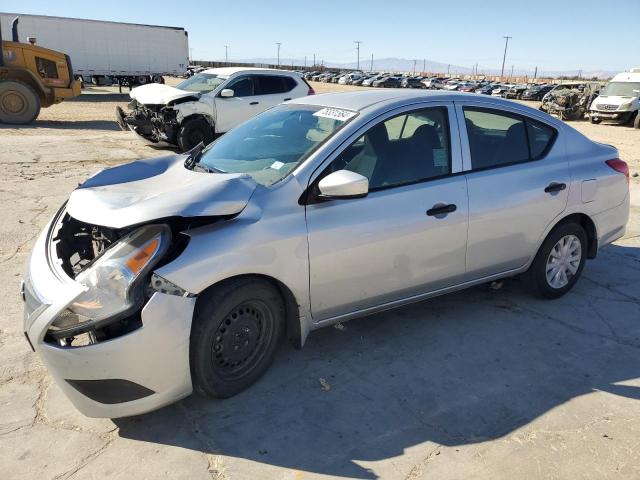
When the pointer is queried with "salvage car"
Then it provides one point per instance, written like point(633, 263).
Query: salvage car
point(570, 101)
point(183, 272)
point(536, 92)
point(207, 104)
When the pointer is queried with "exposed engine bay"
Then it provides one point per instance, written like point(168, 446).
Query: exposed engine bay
point(569, 102)
point(156, 123)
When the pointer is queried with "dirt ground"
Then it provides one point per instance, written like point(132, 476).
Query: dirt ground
point(479, 384)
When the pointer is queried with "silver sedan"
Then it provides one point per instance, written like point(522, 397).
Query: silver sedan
point(185, 271)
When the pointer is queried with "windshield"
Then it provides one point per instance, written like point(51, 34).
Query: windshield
point(202, 82)
point(271, 145)
point(622, 89)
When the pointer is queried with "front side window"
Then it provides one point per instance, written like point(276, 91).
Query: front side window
point(242, 87)
point(405, 149)
point(269, 146)
point(500, 138)
point(202, 83)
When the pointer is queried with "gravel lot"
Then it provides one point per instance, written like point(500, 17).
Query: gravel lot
point(478, 384)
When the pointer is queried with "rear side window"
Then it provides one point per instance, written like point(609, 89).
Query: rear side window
point(540, 138)
point(271, 84)
point(500, 138)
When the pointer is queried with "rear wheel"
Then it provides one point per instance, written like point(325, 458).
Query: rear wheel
point(235, 333)
point(559, 262)
point(192, 132)
point(19, 103)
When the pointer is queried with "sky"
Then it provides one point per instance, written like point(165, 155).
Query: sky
point(591, 35)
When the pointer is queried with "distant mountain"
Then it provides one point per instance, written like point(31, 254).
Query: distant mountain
point(393, 64)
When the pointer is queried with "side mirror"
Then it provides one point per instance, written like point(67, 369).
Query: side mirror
point(227, 93)
point(344, 184)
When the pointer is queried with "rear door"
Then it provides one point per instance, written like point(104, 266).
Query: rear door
point(271, 90)
point(517, 177)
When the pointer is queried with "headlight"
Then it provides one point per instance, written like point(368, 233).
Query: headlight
point(626, 106)
point(112, 280)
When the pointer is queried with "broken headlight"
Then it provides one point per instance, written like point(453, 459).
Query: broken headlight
point(112, 281)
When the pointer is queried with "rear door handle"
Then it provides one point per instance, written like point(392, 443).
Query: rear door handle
point(441, 209)
point(555, 187)
point(254, 103)
point(287, 99)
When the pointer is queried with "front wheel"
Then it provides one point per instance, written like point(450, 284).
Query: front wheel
point(19, 103)
point(192, 132)
point(595, 120)
point(235, 333)
point(559, 262)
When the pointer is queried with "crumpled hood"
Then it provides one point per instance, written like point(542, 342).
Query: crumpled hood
point(159, 94)
point(155, 188)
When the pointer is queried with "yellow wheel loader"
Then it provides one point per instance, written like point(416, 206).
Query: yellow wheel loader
point(32, 77)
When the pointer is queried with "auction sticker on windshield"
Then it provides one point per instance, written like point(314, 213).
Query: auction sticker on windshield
point(335, 114)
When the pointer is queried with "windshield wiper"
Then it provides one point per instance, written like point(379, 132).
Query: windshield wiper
point(193, 160)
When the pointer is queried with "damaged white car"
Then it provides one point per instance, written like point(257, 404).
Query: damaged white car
point(207, 104)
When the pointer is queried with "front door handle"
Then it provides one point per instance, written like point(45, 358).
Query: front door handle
point(555, 187)
point(441, 209)
point(254, 103)
point(287, 99)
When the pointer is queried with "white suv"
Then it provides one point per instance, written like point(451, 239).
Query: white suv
point(207, 104)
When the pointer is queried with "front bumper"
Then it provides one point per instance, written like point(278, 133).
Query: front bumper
point(154, 358)
point(612, 116)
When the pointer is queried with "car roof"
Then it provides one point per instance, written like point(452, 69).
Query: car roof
point(391, 98)
point(228, 71)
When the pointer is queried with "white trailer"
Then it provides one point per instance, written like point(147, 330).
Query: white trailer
point(123, 52)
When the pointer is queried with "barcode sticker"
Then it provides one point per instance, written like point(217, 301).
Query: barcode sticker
point(335, 114)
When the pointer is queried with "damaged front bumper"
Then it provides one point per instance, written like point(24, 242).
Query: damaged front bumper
point(154, 123)
point(611, 116)
point(137, 371)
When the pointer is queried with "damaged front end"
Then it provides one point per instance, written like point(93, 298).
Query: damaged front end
point(155, 123)
point(570, 103)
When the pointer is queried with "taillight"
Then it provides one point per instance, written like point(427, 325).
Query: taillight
point(619, 166)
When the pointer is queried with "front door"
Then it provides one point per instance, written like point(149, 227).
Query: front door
point(231, 111)
point(408, 235)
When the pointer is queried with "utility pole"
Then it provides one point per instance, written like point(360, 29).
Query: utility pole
point(191, 55)
point(535, 73)
point(358, 42)
point(414, 66)
point(278, 44)
point(226, 53)
point(371, 69)
point(305, 62)
point(424, 65)
point(448, 68)
point(314, 60)
point(504, 57)
point(511, 71)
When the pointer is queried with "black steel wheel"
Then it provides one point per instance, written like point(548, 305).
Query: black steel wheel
point(194, 131)
point(236, 329)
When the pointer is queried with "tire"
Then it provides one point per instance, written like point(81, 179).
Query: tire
point(595, 120)
point(192, 132)
point(157, 79)
point(536, 278)
point(225, 355)
point(636, 122)
point(19, 103)
point(142, 80)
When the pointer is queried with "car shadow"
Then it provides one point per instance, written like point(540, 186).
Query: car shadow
point(455, 370)
point(66, 125)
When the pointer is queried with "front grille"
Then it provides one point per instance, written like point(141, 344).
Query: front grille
point(603, 106)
